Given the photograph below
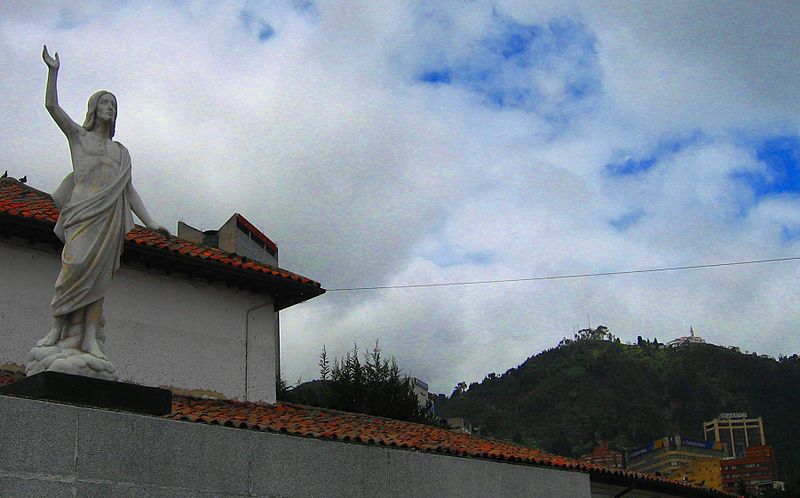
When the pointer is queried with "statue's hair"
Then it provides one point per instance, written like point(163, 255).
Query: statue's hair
point(91, 112)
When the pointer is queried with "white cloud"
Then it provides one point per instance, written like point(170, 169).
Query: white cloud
point(323, 136)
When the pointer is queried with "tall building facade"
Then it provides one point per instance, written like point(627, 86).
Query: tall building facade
point(736, 431)
point(666, 455)
point(755, 468)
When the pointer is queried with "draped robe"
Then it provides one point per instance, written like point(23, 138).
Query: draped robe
point(93, 232)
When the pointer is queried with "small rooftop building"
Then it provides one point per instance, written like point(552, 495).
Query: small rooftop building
point(459, 424)
point(237, 236)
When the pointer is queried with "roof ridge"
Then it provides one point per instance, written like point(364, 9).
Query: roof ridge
point(24, 186)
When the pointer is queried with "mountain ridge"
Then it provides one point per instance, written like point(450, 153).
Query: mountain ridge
point(566, 399)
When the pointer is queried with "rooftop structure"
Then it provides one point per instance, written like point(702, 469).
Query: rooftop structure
point(459, 424)
point(237, 236)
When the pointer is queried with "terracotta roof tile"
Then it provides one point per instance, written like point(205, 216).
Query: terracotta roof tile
point(26, 203)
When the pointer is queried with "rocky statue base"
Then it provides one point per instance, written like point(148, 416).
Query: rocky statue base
point(65, 356)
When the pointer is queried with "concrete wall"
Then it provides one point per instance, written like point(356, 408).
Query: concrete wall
point(161, 329)
point(61, 450)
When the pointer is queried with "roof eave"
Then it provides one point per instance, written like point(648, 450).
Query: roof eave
point(285, 291)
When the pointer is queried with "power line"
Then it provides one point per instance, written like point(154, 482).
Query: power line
point(565, 277)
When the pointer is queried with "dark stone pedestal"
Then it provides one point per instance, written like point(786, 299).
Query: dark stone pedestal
point(88, 391)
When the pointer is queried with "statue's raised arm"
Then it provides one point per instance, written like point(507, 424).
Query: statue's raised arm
point(67, 125)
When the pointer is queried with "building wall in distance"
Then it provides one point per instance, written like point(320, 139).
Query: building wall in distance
point(62, 450)
point(603, 455)
point(668, 454)
point(701, 472)
point(757, 465)
point(736, 431)
point(161, 329)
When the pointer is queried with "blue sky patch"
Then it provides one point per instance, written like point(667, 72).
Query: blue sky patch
point(305, 6)
point(442, 76)
point(790, 235)
point(265, 32)
point(252, 23)
point(626, 221)
point(781, 155)
point(69, 19)
point(502, 65)
point(630, 166)
point(633, 165)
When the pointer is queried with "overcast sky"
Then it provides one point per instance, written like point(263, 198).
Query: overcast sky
point(388, 143)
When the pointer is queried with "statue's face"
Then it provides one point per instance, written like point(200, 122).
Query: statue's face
point(107, 108)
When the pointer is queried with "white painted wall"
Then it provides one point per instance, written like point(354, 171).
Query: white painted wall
point(161, 329)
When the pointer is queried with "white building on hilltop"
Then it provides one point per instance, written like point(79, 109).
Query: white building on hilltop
point(690, 339)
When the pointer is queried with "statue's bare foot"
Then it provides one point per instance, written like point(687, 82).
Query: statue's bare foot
point(51, 338)
point(93, 349)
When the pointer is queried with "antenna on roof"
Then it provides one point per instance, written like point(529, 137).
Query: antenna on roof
point(691, 331)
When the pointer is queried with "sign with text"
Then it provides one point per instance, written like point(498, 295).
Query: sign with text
point(732, 415)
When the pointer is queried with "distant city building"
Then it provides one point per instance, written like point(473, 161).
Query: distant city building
point(603, 455)
point(421, 390)
point(704, 472)
point(756, 469)
point(666, 455)
point(690, 339)
point(736, 431)
point(459, 424)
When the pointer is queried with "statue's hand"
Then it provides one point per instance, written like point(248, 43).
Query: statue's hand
point(52, 63)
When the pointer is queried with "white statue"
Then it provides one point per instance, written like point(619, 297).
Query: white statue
point(96, 201)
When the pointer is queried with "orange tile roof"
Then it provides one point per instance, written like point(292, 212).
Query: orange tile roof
point(333, 425)
point(21, 203)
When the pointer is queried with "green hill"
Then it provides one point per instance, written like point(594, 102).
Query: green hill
point(564, 400)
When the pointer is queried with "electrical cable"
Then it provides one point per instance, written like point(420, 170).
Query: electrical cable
point(565, 277)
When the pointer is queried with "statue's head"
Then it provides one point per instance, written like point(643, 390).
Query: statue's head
point(102, 106)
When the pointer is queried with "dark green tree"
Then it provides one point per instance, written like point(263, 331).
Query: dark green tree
point(375, 386)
